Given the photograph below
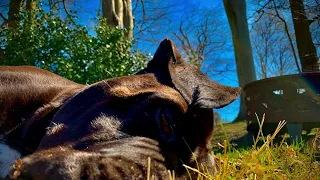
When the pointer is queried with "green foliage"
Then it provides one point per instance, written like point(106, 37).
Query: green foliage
point(68, 49)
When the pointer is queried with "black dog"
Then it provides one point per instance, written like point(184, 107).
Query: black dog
point(110, 128)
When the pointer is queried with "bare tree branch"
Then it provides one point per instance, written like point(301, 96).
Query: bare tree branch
point(67, 12)
point(260, 10)
point(196, 36)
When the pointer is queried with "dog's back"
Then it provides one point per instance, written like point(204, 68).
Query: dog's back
point(27, 94)
point(25, 89)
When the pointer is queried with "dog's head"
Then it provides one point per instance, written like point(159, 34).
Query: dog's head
point(197, 89)
point(200, 93)
point(169, 101)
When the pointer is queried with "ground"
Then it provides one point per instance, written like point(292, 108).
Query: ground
point(236, 133)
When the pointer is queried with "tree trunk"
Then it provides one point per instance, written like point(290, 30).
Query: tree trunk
point(236, 12)
point(14, 13)
point(128, 18)
point(109, 12)
point(119, 14)
point(306, 49)
point(2, 56)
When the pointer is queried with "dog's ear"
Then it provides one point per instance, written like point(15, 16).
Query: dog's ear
point(80, 103)
point(198, 90)
point(42, 117)
point(73, 115)
point(167, 53)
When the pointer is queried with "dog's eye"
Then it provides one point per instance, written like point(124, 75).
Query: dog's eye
point(164, 123)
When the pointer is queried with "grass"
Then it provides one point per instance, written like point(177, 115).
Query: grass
point(262, 158)
point(233, 132)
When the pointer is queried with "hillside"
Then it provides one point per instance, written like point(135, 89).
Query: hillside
point(234, 132)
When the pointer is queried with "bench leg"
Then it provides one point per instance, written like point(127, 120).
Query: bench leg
point(295, 131)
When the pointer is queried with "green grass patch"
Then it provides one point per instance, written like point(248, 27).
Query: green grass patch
point(262, 158)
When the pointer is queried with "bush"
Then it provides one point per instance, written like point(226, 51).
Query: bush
point(68, 49)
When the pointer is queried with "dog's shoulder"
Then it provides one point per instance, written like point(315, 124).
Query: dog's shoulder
point(24, 89)
point(27, 95)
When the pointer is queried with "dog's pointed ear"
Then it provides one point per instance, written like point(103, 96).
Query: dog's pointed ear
point(200, 90)
point(197, 89)
point(167, 53)
point(215, 95)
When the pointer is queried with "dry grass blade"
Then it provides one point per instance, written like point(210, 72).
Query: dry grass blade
point(270, 139)
point(197, 171)
point(149, 168)
point(170, 176)
point(260, 133)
